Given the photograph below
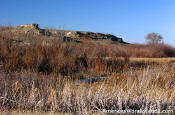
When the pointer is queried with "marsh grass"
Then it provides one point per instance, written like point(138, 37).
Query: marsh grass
point(60, 57)
point(41, 76)
point(149, 88)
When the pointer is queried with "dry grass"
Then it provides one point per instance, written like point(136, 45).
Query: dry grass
point(153, 60)
point(41, 76)
point(147, 88)
point(41, 113)
point(35, 113)
point(59, 56)
point(148, 50)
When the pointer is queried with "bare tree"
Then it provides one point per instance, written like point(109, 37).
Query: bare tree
point(154, 38)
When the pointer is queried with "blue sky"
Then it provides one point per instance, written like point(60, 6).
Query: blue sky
point(129, 19)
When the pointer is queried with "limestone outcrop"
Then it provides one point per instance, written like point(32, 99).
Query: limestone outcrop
point(28, 29)
point(68, 35)
point(31, 29)
point(92, 35)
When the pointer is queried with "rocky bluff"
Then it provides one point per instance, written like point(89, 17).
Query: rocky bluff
point(69, 35)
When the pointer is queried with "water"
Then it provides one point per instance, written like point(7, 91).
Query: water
point(91, 80)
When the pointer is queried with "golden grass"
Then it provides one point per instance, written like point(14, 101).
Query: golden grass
point(32, 113)
point(158, 60)
point(130, 89)
point(42, 77)
point(44, 113)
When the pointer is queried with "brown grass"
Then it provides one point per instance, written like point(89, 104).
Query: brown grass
point(58, 56)
point(151, 50)
point(41, 76)
point(133, 89)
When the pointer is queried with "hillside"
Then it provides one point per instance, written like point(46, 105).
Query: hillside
point(41, 72)
point(67, 35)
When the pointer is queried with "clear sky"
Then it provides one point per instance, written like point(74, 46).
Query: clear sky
point(129, 19)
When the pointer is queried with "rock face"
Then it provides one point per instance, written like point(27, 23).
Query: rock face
point(67, 35)
point(28, 28)
point(31, 29)
point(92, 35)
